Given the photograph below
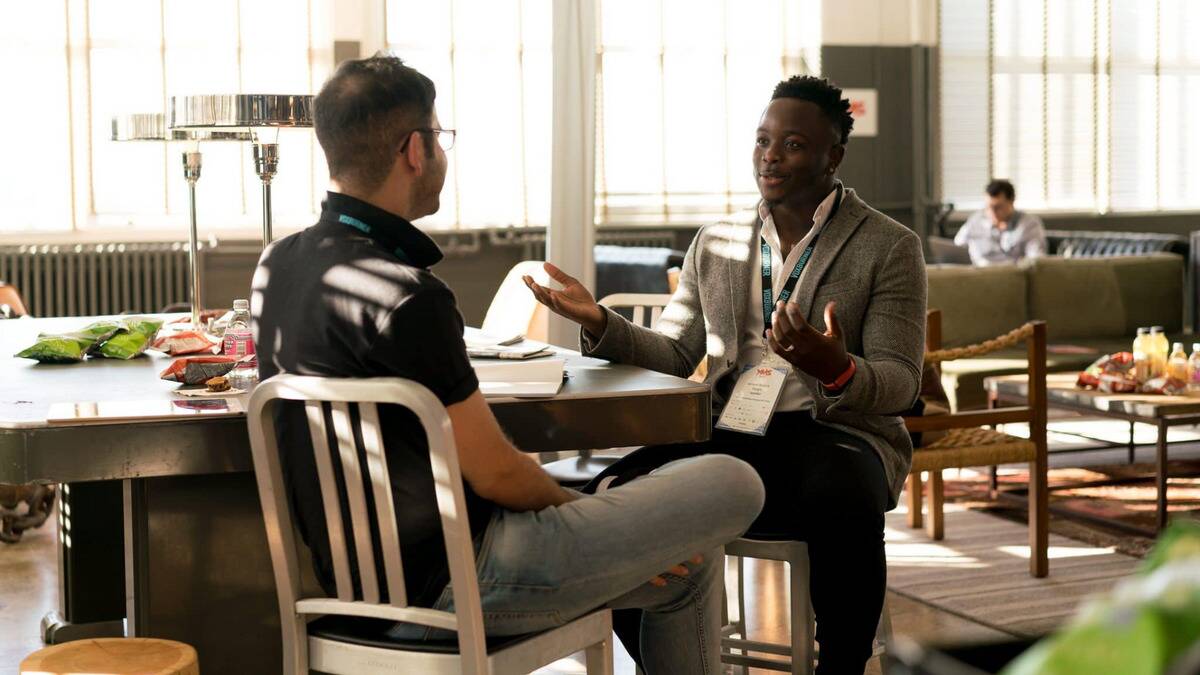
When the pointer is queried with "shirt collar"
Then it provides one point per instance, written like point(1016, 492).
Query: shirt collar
point(819, 217)
point(395, 234)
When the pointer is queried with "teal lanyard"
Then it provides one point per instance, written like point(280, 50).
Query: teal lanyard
point(380, 235)
point(790, 285)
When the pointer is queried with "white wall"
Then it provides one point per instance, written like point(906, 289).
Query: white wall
point(879, 22)
point(359, 21)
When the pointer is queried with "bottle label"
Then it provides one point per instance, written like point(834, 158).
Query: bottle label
point(238, 342)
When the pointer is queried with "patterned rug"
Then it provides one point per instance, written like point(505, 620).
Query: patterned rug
point(1124, 493)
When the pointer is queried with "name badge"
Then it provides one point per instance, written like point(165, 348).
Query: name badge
point(754, 397)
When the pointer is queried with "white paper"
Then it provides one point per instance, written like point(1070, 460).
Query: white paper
point(477, 339)
point(754, 399)
point(542, 377)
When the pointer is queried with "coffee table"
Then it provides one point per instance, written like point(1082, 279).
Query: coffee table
point(1162, 412)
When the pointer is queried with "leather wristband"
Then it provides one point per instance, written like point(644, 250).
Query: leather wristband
point(842, 379)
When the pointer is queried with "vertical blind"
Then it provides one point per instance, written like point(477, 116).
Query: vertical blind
point(1083, 104)
point(72, 65)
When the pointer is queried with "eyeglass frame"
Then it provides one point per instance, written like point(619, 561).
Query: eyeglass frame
point(436, 132)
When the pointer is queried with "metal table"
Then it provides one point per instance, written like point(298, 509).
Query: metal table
point(1162, 412)
point(195, 556)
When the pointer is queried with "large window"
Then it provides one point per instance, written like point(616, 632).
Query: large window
point(679, 89)
point(71, 66)
point(1083, 104)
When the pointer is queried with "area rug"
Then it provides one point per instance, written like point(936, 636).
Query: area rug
point(1124, 493)
point(980, 571)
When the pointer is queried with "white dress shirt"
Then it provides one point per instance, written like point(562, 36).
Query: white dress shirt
point(795, 396)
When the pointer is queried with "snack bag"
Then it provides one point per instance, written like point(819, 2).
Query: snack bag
point(138, 333)
point(198, 369)
point(1110, 373)
point(186, 342)
point(56, 349)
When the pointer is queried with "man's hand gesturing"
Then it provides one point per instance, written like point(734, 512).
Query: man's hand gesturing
point(574, 301)
point(822, 355)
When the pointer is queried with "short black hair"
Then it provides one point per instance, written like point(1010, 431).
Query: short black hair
point(824, 94)
point(1001, 187)
point(365, 111)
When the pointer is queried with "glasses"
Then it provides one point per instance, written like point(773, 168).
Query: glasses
point(445, 137)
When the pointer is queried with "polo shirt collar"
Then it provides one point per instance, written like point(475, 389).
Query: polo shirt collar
point(395, 234)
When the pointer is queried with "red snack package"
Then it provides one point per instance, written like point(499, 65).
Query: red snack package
point(187, 342)
point(198, 369)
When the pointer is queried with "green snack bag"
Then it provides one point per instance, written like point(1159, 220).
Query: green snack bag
point(56, 349)
point(136, 335)
point(96, 334)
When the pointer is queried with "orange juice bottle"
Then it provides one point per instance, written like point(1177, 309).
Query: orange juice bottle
point(1142, 364)
point(1177, 364)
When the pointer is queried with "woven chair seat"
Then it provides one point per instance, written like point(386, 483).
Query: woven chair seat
point(973, 446)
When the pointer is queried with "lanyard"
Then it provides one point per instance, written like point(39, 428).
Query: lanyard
point(380, 235)
point(790, 285)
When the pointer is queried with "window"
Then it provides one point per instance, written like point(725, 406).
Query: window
point(1081, 103)
point(84, 62)
point(490, 62)
point(680, 87)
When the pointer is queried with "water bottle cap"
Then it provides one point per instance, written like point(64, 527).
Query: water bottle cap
point(241, 304)
point(1177, 347)
point(1143, 330)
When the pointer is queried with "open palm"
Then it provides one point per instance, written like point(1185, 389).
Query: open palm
point(574, 301)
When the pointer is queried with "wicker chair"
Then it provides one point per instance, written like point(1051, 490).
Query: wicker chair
point(968, 443)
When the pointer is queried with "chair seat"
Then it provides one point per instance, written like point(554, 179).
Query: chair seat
point(974, 446)
point(367, 632)
point(114, 656)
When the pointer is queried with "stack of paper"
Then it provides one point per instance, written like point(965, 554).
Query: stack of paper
point(520, 378)
point(480, 345)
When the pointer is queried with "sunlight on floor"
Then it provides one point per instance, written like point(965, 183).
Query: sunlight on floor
point(1058, 552)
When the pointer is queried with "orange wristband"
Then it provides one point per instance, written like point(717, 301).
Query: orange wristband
point(843, 378)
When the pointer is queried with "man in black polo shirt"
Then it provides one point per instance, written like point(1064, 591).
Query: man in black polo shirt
point(352, 296)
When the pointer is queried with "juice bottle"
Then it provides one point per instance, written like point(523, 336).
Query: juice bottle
point(1177, 364)
point(1141, 356)
point(1194, 370)
point(1159, 349)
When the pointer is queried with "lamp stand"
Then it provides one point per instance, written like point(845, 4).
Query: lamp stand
point(266, 163)
point(191, 173)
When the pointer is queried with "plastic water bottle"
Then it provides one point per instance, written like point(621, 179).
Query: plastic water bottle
point(239, 342)
point(1194, 370)
point(1177, 363)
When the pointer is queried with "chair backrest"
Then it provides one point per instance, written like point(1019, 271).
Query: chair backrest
point(10, 296)
point(332, 400)
point(647, 307)
point(514, 309)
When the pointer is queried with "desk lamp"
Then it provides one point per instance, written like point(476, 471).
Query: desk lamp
point(152, 127)
point(262, 114)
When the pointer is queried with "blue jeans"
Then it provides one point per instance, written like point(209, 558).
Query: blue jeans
point(539, 570)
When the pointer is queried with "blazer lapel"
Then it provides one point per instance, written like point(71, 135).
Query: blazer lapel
point(833, 237)
point(739, 270)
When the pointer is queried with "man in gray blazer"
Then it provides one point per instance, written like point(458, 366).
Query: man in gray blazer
point(843, 326)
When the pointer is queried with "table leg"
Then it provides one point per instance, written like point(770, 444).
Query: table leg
point(1131, 444)
point(1161, 474)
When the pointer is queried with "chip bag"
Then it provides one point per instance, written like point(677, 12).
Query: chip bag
point(136, 335)
point(185, 342)
point(198, 369)
point(56, 349)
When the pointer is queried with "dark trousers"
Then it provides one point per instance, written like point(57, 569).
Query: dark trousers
point(824, 487)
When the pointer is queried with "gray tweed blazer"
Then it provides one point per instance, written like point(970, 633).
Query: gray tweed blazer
point(872, 265)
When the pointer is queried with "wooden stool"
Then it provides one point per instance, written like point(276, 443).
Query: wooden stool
point(114, 656)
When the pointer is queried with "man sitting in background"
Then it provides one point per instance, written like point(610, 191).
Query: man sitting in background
point(999, 233)
point(352, 296)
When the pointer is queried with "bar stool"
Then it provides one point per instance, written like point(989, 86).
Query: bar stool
point(114, 656)
point(802, 652)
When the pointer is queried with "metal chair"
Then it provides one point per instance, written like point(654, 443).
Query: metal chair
point(801, 653)
point(579, 470)
point(314, 645)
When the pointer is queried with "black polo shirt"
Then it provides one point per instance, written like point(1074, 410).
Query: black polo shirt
point(352, 296)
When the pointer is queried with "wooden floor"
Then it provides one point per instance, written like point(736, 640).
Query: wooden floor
point(28, 589)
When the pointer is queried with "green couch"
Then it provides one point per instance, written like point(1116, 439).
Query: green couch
point(1094, 303)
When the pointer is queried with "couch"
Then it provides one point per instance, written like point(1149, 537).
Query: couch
point(1092, 306)
point(1078, 244)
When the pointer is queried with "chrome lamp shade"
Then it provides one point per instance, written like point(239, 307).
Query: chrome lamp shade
point(143, 127)
point(247, 111)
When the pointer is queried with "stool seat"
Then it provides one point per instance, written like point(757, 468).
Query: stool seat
point(114, 656)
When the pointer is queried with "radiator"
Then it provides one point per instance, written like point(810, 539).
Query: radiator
point(94, 279)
